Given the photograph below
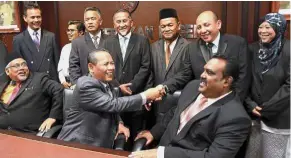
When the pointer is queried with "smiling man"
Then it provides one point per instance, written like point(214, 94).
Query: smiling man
point(92, 39)
point(30, 101)
point(75, 29)
point(36, 45)
point(131, 55)
point(209, 120)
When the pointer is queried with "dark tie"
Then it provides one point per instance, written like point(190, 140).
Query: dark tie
point(167, 53)
point(95, 41)
point(35, 39)
point(209, 46)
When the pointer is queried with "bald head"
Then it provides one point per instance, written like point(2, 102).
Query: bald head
point(208, 26)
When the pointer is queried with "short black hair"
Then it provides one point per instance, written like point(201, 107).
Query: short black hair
point(122, 11)
point(93, 9)
point(30, 5)
point(79, 23)
point(92, 55)
point(231, 68)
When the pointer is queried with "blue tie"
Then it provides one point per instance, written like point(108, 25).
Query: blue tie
point(35, 39)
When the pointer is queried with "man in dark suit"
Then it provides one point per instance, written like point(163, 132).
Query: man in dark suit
point(36, 45)
point(213, 42)
point(81, 46)
point(3, 54)
point(209, 120)
point(29, 101)
point(94, 117)
point(131, 55)
point(168, 55)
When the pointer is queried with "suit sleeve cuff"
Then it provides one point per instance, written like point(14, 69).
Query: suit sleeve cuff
point(161, 152)
point(144, 98)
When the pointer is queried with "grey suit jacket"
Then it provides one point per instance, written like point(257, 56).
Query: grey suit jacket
point(159, 72)
point(218, 131)
point(135, 68)
point(81, 47)
point(93, 117)
point(46, 60)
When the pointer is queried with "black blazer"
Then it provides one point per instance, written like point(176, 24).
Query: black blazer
point(136, 65)
point(38, 99)
point(3, 54)
point(217, 131)
point(46, 60)
point(81, 47)
point(231, 46)
point(271, 90)
point(93, 117)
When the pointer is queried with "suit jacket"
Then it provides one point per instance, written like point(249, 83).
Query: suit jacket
point(81, 47)
point(3, 54)
point(39, 98)
point(159, 72)
point(217, 131)
point(271, 90)
point(136, 65)
point(231, 46)
point(46, 60)
point(93, 118)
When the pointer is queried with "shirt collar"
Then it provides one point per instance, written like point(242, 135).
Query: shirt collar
point(30, 31)
point(216, 41)
point(213, 100)
point(173, 43)
point(98, 34)
point(127, 36)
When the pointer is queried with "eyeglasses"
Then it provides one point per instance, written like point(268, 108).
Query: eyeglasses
point(17, 66)
point(71, 30)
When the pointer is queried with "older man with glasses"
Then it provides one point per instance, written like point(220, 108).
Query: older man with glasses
point(29, 101)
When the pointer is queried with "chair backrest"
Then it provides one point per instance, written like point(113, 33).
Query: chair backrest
point(67, 101)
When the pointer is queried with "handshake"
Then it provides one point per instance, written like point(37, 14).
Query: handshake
point(154, 94)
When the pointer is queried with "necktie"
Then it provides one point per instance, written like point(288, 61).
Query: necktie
point(35, 40)
point(209, 46)
point(191, 111)
point(14, 93)
point(95, 41)
point(108, 90)
point(167, 53)
point(123, 46)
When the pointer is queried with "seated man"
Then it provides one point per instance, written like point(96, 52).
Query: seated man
point(94, 117)
point(209, 121)
point(29, 101)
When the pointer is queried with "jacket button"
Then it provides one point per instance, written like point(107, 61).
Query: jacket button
point(47, 72)
point(9, 128)
point(123, 72)
point(31, 62)
point(48, 59)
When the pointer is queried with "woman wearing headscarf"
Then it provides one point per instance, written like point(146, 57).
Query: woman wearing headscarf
point(269, 98)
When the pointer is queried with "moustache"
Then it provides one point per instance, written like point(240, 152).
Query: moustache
point(203, 80)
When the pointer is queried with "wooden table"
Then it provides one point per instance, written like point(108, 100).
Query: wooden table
point(20, 145)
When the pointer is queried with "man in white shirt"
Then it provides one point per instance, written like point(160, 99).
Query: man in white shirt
point(75, 29)
point(209, 120)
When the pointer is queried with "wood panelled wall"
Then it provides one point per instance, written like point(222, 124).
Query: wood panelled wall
point(238, 17)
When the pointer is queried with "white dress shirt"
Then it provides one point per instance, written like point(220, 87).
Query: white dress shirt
point(31, 31)
point(63, 65)
point(98, 39)
point(126, 43)
point(215, 44)
point(210, 101)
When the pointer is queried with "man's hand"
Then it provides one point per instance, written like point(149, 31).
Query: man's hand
point(145, 134)
point(125, 88)
point(47, 124)
point(66, 84)
point(153, 153)
point(152, 94)
point(257, 111)
point(124, 130)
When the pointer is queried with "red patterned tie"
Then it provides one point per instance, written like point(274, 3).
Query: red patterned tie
point(14, 93)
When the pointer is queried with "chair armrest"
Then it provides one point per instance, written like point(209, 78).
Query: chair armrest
point(119, 142)
point(139, 144)
point(51, 133)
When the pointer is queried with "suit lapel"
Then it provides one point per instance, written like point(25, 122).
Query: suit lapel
point(119, 54)
point(102, 40)
point(130, 47)
point(42, 48)
point(23, 87)
point(161, 53)
point(204, 113)
point(176, 51)
point(204, 51)
point(222, 45)
point(30, 45)
point(89, 42)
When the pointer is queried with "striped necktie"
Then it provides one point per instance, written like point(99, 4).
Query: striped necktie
point(35, 40)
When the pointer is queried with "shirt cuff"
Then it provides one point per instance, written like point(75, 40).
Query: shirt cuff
point(144, 98)
point(161, 152)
